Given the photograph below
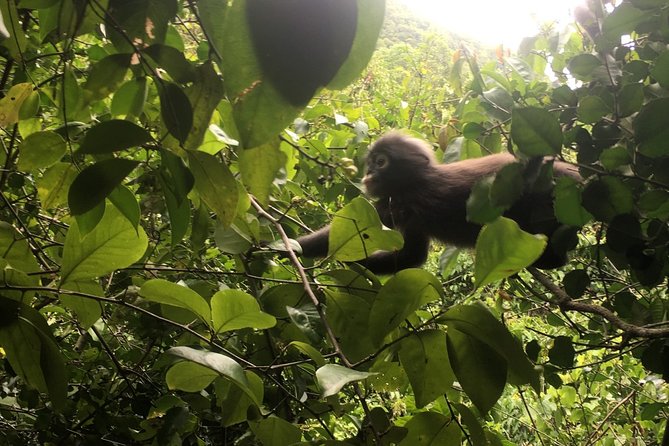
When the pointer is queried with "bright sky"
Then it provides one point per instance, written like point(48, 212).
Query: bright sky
point(494, 22)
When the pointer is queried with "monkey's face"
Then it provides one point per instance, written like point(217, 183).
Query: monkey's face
point(377, 163)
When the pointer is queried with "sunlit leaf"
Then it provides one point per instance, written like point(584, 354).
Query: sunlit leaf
point(235, 309)
point(503, 249)
point(356, 233)
point(216, 185)
point(113, 244)
point(169, 293)
point(332, 377)
point(40, 150)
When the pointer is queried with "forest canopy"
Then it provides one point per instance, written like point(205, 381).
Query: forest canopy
point(160, 157)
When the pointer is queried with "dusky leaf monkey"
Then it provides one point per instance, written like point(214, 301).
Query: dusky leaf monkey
point(426, 200)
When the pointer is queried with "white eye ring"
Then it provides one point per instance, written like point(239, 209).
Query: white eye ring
point(381, 161)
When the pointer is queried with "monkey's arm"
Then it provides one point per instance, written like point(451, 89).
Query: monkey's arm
point(316, 243)
point(413, 254)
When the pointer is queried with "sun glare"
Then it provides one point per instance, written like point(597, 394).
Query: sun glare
point(494, 22)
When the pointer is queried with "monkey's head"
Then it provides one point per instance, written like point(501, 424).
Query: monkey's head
point(397, 164)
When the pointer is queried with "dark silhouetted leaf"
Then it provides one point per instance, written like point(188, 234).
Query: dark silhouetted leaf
point(114, 135)
point(95, 183)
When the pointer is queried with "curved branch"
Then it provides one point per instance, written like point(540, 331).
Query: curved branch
point(565, 302)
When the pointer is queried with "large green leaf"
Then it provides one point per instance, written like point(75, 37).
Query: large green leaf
point(216, 185)
point(356, 233)
point(478, 322)
point(651, 129)
point(424, 357)
point(189, 376)
point(503, 249)
point(88, 310)
point(607, 197)
point(536, 131)
point(54, 185)
point(113, 135)
point(204, 95)
point(259, 166)
point(113, 244)
point(275, 431)
point(480, 370)
point(14, 248)
point(96, 182)
point(431, 429)
point(403, 294)
point(168, 293)
point(234, 401)
point(332, 377)
point(235, 309)
point(40, 150)
point(221, 364)
point(300, 45)
point(32, 350)
point(568, 209)
point(176, 110)
point(260, 112)
point(348, 314)
point(106, 76)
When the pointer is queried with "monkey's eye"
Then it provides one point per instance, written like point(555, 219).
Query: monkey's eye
point(381, 161)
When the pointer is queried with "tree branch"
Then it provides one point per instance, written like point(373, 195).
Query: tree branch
point(566, 303)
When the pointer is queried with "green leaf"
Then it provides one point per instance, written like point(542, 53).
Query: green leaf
point(15, 250)
point(401, 295)
point(323, 42)
point(10, 105)
point(189, 377)
point(176, 110)
point(651, 129)
point(622, 21)
point(471, 421)
point(112, 136)
point(16, 44)
point(113, 244)
point(259, 167)
point(235, 309)
point(431, 429)
point(536, 131)
point(562, 352)
point(223, 365)
point(480, 370)
point(204, 94)
point(370, 20)
point(96, 182)
point(568, 209)
point(130, 98)
point(216, 185)
point(310, 351)
point(479, 204)
point(212, 18)
point(425, 361)
point(508, 186)
point(32, 350)
point(53, 186)
point(332, 377)
point(168, 293)
point(173, 61)
point(503, 249)
point(630, 99)
point(478, 322)
point(591, 109)
point(88, 310)
point(125, 201)
point(356, 233)
point(40, 150)
point(260, 111)
point(583, 66)
point(575, 283)
point(275, 431)
point(655, 204)
point(347, 315)
point(607, 197)
point(90, 219)
point(145, 21)
point(234, 401)
point(106, 76)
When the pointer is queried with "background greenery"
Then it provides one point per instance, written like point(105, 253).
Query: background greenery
point(158, 155)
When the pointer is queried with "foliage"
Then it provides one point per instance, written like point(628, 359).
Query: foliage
point(158, 157)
